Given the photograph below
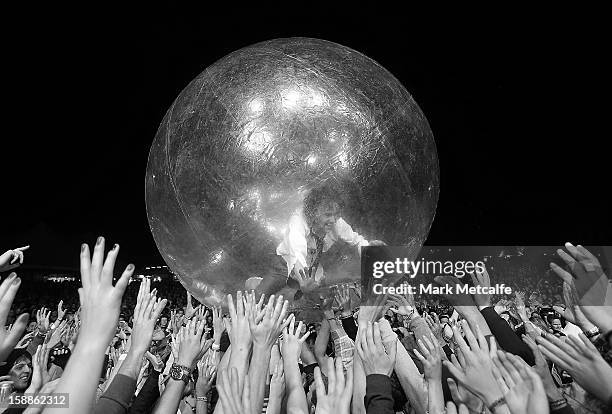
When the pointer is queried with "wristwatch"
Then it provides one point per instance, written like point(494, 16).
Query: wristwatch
point(180, 373)
point(592, 332)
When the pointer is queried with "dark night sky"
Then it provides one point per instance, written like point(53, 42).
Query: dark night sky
point(511, 104)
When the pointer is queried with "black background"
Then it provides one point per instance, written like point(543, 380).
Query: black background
point(511, 99)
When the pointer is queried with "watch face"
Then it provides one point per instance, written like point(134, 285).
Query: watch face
point(176, 373)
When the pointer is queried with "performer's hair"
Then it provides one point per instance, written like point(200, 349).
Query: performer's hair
point(325, 194)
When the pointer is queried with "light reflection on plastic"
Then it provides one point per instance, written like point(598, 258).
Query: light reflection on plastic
point(290, 98)
point(256, 105)
point(258, 141)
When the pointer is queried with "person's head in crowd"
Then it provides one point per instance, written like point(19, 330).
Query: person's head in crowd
point(321, 209)
point(163, 322)
point(18, 367)
point(180, 312)
point(444, 319)
point(31, 326)
point(556, 324)
point(159, 342)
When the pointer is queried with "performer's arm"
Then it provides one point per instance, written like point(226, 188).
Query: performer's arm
point(345, 232)
point(294, 248)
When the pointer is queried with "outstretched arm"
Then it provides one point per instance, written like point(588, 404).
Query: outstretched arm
point(100, 303)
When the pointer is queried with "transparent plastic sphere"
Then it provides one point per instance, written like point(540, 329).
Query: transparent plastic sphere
point(290, 150)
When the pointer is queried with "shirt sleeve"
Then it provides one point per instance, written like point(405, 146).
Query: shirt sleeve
point(294, 247)
point(345, 232)
point(343, 345)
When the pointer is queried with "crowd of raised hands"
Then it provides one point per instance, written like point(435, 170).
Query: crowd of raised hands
point(386, 354)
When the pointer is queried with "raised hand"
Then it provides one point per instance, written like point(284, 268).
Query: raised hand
point(373, 310)
point(541, 367)
point(337, 398)
point(57, 333)
point(431, 357)
point(451, 408)
point(403, 306)
point(60, 310)
point(10, 337)
point(12, 258)
point(522, 387)
point(206, 376)
point(40, 374)
point(218, 325)
point(579, 357)
point(475, 370)
point(591, 283)
point(572, 311)
point(277, 382)
point(373, 355)
point(464, 397)
point(267, 324)
point(100, 300)
point(156, 361)
point(306, 281)
point(343, 297)
point(201, 313)
point(42, 319)
point(291, 343)
point(192, 344)
point(238, 325)
point(25, 341)
point(520, 305)
point(462, 302)
point(433, 322)
point(146, 312)
point(100, 305)
point(481, 279)
point(189, 309)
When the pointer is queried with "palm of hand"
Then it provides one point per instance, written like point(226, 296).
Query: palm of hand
point(432, 368)
point(291, 346)
point(264, 331)
point(592, 370)
point(517, 398)
point(479, 376)
point(463, 395)
point(308, 284)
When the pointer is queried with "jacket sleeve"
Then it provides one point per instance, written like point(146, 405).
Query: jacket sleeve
point(378, 398)
point(117, 397)
point(505, 336)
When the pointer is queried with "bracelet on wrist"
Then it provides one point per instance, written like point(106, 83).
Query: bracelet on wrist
point(496, 403)
point(556, 404)
point(204, 399)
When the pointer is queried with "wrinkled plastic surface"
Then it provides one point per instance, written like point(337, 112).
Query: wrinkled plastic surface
point(252, 134)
